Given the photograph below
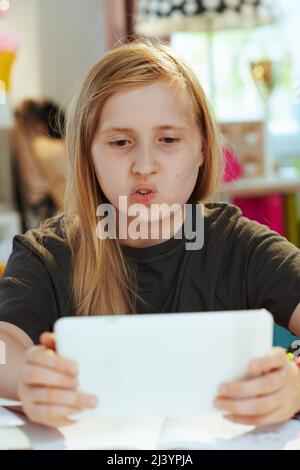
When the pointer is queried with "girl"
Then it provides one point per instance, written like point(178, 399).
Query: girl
point(141, 124)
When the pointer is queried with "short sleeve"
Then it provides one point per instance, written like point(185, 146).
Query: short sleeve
point(27, 296)
point(258, 268)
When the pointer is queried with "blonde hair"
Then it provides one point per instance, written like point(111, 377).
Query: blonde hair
point(103, 281)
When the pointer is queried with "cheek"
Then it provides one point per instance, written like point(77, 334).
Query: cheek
point(187, 171)
point(108, 169)
point(104, 163)
point(110, 176)
point(185, 178)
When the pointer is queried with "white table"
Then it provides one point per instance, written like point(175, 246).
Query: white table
point(285, 436)
point(44, 438)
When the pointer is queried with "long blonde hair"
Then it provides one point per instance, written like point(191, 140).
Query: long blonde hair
point(103, 281)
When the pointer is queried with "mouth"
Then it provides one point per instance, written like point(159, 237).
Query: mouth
point(144, 189)
point(143, 194)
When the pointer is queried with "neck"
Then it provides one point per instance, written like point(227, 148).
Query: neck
point(155, 231)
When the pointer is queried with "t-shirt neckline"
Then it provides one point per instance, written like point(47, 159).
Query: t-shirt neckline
point(162, 249)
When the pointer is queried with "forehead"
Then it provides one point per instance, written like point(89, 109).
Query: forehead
point(155, 101)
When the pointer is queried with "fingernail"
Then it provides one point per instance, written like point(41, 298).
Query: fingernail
point(76, 383)
point(73, 368)
point(92, 402)
point(222, 389)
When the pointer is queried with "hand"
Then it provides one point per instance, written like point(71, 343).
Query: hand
point(48, 386)
point(269, 394)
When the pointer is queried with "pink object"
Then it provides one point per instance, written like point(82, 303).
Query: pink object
point(232, 169)
point(267, 210)
point(8, 42)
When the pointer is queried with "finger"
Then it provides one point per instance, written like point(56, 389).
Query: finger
point(271, 418)
point(48, 340)
point(53, 396)
point(48, 358)
point(263, 385)
point(250, 406)
point(274, 360)
point(35, 375)
point(50, 415)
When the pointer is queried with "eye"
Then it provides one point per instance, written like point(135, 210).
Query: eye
point(171, 140)
point(119, 143)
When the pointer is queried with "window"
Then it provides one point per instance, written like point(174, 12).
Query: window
point(236, 95)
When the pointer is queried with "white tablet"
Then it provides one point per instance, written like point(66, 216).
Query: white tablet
point(166, 364)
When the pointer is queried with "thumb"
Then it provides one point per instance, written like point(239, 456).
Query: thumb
point(48, 340)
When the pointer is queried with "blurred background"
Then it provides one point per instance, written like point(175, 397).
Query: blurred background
point(245, 53)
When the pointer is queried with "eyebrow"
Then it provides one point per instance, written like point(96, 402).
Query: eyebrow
point(129, 129)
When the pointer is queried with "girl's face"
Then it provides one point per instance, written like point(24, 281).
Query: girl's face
point(146, 135)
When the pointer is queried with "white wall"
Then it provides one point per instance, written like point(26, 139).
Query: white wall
point(22, 20)
point(59, 41)
point(73, 38)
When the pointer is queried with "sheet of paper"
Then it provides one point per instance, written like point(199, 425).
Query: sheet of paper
point(137, 434)
point(7, 418)
point(215, 432)
point(13, 438)
point(8, 402)
point(276, 437)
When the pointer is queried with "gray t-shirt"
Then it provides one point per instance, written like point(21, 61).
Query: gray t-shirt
point(241, 265)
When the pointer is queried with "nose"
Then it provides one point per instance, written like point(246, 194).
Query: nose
point(145, 162)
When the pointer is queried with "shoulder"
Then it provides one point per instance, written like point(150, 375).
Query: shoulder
point(221, 218)
point(228, 228)
point(221, 212)
point(228, 217)
point(49, 243)
point(226, 225)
